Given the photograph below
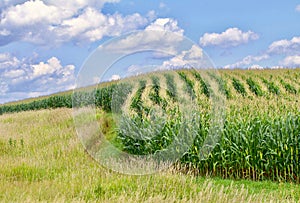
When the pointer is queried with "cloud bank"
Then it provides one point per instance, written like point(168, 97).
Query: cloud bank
point(49, 21)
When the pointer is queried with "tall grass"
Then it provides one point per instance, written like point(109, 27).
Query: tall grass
point(52, 166)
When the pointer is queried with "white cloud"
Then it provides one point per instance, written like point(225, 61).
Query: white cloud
point(166, 24)
point(229, 38)
point(30, 13)
point(285, 46)
point(53, 65)
point(290, 49)
point(42, 78)
point(186, 59)
point(138, 69)
point(48, 11)
point(277, 67)
point(194, 53)
point(51, 22)
point(163, 35)
point(92, 25)
point(291, 61)
point(247, 61)
point(14, 73)
point(298, 8)
point(115, 77)
point(6, 61)
point(79, 4)
point(255, 67)
point(193, 57)
point(3, 88)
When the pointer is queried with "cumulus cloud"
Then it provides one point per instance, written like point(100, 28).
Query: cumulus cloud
point(230, 38)
point(30, 13)
point(115, 77)
point(189, 58)
point(288, 48)
point(285, 46)
point(291, 61)
point(14, 73)
point(186, 59)
point(42, 78)
point(51, 22)
point(248, 60)
point(255, 67)
point(75, 4)
point(92, 25)
point(52, 65)
point(6, 61)
point(163, 34)
point(298, 8)
point(166, 24)
point(277, 67)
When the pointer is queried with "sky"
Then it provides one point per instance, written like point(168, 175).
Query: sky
point(44, 43)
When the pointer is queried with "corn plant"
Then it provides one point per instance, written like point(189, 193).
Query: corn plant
point(254, 87)
point(137, 103)
point(222, 85)
point(189, 84)
point(204, 87)
point(149, 134)
point(259, 148)
point(271, 87)
point(171, 87)
point(239, 87)
point(154, 94)
point(288, 87)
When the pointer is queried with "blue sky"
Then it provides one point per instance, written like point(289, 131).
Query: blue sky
point(44, 43)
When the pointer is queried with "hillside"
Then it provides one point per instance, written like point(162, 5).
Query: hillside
point(42, 160)
point(255, 112)
point(267, 83)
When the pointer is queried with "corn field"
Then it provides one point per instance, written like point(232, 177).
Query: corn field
point(260, 139)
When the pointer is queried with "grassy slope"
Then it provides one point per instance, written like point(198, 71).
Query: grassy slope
point(42, 160)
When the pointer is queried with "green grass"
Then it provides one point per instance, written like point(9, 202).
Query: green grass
point(42, 160)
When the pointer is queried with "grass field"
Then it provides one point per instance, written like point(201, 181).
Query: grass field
point(43, 160)
point(256, 158)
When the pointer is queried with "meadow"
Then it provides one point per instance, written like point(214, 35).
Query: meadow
point(43, 160)
point(256, 158)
